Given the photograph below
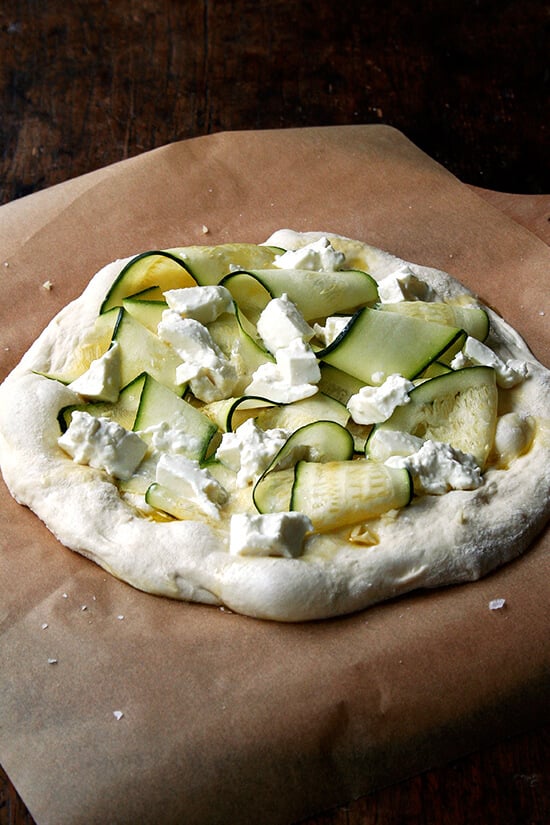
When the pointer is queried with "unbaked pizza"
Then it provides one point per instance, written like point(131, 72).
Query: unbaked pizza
point(293, 430)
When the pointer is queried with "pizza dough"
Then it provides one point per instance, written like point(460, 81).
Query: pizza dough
point(437, 540)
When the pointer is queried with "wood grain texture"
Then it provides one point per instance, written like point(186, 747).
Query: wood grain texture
point(85, 84)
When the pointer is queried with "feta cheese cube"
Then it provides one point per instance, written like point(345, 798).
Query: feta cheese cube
point(334, 325)
point(270, 534)
point(249, 450)
point(404, 285)
point(185, 477)
point(101, 381)
point(102, 444)
point(437, 468)
point(319, 256)
point(508, 373)
point(201, 303)
point(281, 322)
point(209, 373)
point(298, 364)
point(371, 405)
point(267, 382)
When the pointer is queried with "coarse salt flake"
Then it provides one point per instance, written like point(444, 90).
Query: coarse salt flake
point(118, 714)
point(497, 604)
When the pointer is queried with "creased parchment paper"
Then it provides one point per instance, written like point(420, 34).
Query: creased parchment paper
point(121, 707)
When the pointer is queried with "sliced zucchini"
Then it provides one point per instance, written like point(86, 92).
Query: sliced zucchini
point(340, 493)
point(187, 427)
point(473, 320)
point(123, 411)
point(147, 312)
point(239, 347)
point(337, 384)
point(458, 408)
point(318, 407)
point(318, 441)
point(378, 344)
point(155, 268)
point(93, 346)
point(249, 293)
point(139, 348)
point(316, 294)
point(209, 264)
point(164, 499)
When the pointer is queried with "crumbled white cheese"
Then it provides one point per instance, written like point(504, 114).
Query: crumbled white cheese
point(202, 303)
point(281, 322)
point(371, 405)
point(319, 256)
point(210, 374)
point(437, 468)
point(249, 450)
point(270, 534)
point(102, 444)
point(385, 443)
point(185, 477)
point(508, 373)
point(267, 382)
point(334, 325)
point(101, 381)
point(403, 285)
point(298, 364)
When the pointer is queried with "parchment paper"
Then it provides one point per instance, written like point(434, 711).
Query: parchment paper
point(228, 719)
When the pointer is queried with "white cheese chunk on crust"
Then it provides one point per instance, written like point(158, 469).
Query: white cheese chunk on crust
point(186, 478)
point(281, 322)
point(249, 450)
point(102, 444)
point(210, 374)
point(267, 382)
point(319, 256)
point(437, 468)
point(372, 405)
point(508, 373)
point(201, 303)
point(269, 534)
point(101, 381)
point(404, 285)
point(334, 325)
point(298, 364)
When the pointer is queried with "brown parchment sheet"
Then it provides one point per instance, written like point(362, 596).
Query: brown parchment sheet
point(228, 719)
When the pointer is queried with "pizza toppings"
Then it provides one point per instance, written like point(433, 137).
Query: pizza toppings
point(294, 418)
point(249, 450)
point(508, 373)
point(185, 478)
point(103, 444)
point(319, 256)
point(101, 381)
point(371, 405)
point(274, 534)
point(437, 468)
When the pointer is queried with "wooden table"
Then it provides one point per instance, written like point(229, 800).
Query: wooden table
point(87, 83)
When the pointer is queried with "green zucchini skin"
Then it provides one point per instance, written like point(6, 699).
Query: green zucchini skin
point(377, 344)
point(149, 269)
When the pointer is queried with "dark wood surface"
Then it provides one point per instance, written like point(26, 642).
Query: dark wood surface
point(90, 82)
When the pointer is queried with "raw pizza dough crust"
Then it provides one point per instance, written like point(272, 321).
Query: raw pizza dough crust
point(436, 541)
